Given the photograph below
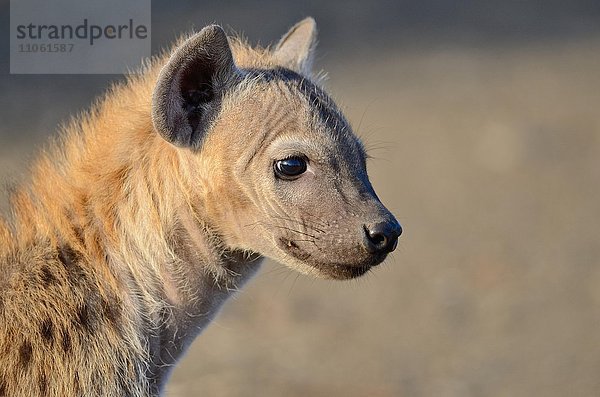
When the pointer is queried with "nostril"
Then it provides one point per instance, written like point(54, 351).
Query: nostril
point(377, 238)
point(382, 237)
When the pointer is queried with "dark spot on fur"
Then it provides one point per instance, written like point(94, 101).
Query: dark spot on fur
point(111, 309)
point(67, 344)
point(83, 316)
point(43, 384)
point(78, 234)
point(71, 260)
point(2, 388)
point(67, 256)
point(25, 353)
point(88, 316)
point(47, 276)
point(47, 331)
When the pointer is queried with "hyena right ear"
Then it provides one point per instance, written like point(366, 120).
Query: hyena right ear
point(189, 89)
point(296, 48)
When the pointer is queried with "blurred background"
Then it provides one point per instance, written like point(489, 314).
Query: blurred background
point(483, 119)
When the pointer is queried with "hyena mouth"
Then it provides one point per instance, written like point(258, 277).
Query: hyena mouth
point(337, 271)
point(293, 249)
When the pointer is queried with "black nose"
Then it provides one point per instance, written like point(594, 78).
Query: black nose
point(382, 237)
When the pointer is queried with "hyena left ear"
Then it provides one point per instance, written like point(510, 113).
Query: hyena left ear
point(296, 48)
point(189, 89)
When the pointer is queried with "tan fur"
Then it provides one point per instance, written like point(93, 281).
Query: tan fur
point(122, 247)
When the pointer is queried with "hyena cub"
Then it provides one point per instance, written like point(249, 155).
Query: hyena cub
point(156, 205)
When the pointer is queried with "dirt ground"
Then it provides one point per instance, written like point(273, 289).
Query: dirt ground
point(491, 161)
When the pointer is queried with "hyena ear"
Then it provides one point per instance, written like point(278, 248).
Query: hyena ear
point(189, 89)
point(295, 50)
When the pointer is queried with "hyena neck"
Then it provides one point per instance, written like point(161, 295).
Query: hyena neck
point(113, 190)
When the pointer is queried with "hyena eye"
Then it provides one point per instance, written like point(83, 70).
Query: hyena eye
point(290, 168)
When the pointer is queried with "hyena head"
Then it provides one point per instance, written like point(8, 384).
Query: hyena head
point(278, 169)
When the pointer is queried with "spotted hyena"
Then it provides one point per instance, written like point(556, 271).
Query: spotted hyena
point(152, 208)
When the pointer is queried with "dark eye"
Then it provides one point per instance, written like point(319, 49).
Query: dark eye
point(290, 168)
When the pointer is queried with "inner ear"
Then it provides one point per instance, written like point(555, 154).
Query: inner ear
point(197, 92)
point(189, 88)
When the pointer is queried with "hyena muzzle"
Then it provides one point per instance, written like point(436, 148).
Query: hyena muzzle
point(161, 201)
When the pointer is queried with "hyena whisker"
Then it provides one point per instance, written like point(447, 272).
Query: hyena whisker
point(302, 222)
point(283, 227)
point(293, 284)
point(291, 230)
point(295, 231)
point(299, 222)
point(319, 221)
